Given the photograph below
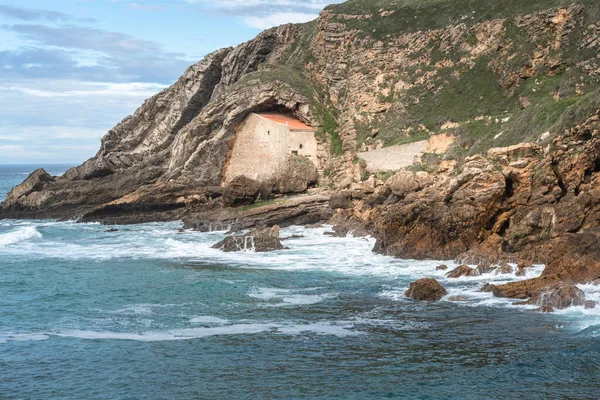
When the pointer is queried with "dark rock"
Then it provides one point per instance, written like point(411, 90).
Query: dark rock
point(240, 191)
point(558, 297)
point(590, 304)
point(520, 271)
point(441, 267)
point(259, 240)
point(341, 200)
point(462, 270)
point(426, 289)
point(352, 226)
point(111, 230)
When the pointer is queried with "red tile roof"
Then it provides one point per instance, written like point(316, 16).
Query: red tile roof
point(294, 123)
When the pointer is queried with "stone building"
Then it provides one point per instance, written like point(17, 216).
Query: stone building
point(264, 142)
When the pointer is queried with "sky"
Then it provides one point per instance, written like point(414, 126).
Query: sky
point(72, 69)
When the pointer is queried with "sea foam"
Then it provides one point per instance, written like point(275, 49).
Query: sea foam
point(19, 235)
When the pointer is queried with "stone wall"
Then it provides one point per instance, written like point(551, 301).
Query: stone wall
point(262, 147)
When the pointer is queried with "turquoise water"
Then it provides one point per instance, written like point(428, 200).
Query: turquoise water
point(151, 313)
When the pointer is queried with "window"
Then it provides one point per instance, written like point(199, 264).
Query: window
point(301, 146)
point(294, 152)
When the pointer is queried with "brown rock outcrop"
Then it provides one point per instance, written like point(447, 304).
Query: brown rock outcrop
point(426, 289)
point(463, 270)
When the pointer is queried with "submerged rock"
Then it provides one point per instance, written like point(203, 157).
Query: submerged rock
point(441, 267)
point(426, 289)
point(463, 270)
point(258, 240)
point(458, 298)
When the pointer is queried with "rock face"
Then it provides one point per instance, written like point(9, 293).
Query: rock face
point(425, 289)
point(367, 79)
point(259, 240)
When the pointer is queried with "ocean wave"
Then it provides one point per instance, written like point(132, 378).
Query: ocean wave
point(19, 235)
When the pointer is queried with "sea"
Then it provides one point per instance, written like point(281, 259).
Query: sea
point(153, 312)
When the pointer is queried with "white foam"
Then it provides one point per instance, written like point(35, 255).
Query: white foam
point(340, 329)
point(287, 297)
point(22, 337)
point(207, 319)
point(19, 235)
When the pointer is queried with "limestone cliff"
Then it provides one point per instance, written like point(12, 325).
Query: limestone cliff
point(367, 74)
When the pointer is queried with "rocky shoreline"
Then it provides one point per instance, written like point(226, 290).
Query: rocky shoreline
point(503, 192)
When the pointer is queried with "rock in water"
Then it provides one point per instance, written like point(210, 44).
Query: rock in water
point(441, 267)
point(426, 289)
point(558, 297)
point(34, 183)
point(258, 240)
point(463, 270)
point(241, 191)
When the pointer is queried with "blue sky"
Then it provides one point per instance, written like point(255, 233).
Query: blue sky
point(72, 69)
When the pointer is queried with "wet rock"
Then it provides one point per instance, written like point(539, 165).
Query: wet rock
point(458, 298)
point(504, 269)
point(462, 270)
point(485, 268)
point(240, 191)
point(258, 240)
point(441, 267)
point(590, 304)
point(520, 271)
point(341, 200)
point(292, 237)
point(558, 297)
point(426, 289)
point(111, 230)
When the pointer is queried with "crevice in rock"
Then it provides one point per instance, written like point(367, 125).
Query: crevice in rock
point(561, 184)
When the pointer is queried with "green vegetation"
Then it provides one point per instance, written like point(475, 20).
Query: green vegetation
point(257, 204)
point(418, 15)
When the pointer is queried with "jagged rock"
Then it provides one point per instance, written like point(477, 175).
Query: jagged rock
point(350, 226)
point(558, 297)
point(341, 200)
point(34, 183)
point(425, 289)
point(462, 270)
point(441, 267)
point(258, 240)
point(241, 191)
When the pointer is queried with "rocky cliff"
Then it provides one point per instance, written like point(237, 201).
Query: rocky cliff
point(515, 84)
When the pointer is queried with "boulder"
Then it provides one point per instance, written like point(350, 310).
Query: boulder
point(341, 200)
point(298, 175)
point(462, 270)
point(426, 289)
point(403, 182)
point(259, 240)
point(240, 191)
point(441, 267)
point(589, 304)
point(558, 297)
